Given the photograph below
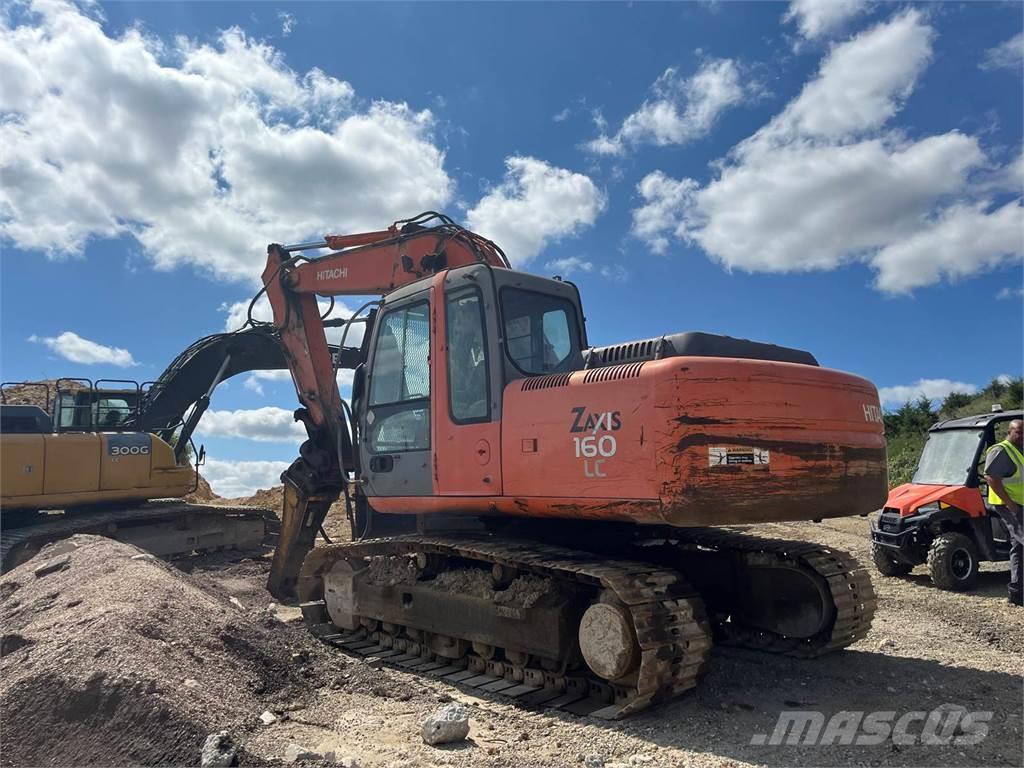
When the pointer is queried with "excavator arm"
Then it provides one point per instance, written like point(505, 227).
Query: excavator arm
point(369, 263)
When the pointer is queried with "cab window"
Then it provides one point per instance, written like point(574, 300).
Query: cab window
point(467, 357)
point(541, 334)
point(399, 405)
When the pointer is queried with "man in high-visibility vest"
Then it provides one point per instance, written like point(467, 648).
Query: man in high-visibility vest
point(1004, 473)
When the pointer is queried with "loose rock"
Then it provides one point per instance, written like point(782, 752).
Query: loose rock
point(219, 751)
point(284, 613)
point(293, 753)
point(448, 724)
point(268, 718)
point(52, 566)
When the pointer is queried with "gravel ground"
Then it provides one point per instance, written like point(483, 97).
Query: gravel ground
point(927, 648)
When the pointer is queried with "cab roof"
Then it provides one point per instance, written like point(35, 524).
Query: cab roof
point(980, 421)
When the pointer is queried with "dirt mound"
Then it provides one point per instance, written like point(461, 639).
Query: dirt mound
point(336, 524)
point(268, 498)
point(271, 498)
point(112, 657)
point(202, 493)
point(42, 393)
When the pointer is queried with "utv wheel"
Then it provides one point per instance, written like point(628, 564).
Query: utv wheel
point(953, 562)
point(888, 565)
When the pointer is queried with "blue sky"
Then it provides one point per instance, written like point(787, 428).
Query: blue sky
point(838, 176)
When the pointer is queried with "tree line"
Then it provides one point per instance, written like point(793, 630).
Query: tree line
point(915, 417)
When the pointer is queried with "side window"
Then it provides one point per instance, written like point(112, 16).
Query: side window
point(467, 357)
point(65, 410)
point(399, 405)
point(540, 331)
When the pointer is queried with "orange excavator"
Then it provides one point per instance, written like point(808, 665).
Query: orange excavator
point(539, 518)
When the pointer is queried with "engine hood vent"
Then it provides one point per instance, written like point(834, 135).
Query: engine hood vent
point(692, 344)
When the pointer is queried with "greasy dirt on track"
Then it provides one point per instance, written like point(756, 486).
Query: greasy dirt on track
point(927, 648)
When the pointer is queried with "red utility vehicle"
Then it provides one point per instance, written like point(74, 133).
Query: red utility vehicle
point(941, 516)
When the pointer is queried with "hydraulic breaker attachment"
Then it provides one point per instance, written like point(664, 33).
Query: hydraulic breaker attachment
point(301, 519)
point(311, 484)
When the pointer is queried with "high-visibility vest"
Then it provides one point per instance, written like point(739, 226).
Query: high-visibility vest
point(1014, 484)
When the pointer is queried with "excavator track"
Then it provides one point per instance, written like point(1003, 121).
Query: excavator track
point(164, 527)
point(671, 629)
point(672, 626)
point(848, 583)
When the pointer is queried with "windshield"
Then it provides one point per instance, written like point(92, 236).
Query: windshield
point(947, 457)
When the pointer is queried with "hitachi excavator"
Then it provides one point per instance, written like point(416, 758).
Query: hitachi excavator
point(539, 518)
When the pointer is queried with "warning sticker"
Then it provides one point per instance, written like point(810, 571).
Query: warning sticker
point(723, 456)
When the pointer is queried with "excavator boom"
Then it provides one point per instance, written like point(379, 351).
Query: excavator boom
point(364, 264)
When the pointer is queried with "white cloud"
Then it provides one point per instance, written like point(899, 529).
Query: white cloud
point(681, 110)
point(1010, 293)
point(252, 383)
point(570, 265)
point(287, 22)
point(659, 217)
point(822, 184)
point(1006, 55)
point(261, 424)
point(820, 18)
point(254, 379)
point(73, 347)
point(232, 479)
point(535, 204)
point(961, 240)
point(203, 153)
point(860, 85)
point(933, 389)
point(562, 116)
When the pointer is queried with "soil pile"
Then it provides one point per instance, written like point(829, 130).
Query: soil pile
point(42, 393)
point(203, 493)
point(268, 498)
point(336, 524)
point(110, 657)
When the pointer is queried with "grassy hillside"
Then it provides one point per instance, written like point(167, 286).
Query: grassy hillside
point(906, 427)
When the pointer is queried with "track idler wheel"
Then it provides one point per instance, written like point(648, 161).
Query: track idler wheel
point(607, 639)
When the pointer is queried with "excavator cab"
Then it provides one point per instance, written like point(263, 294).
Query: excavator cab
point(429, 405)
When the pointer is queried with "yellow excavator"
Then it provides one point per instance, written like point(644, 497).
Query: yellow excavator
point(115, 457)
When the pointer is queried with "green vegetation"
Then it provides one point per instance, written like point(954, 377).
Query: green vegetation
point(906, 428)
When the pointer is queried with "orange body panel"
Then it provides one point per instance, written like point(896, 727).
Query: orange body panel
point(685, 441)
point(467, 461)
point(907, 498)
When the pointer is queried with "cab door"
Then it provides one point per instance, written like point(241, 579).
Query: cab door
point(467, 375)
point(395, 444)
